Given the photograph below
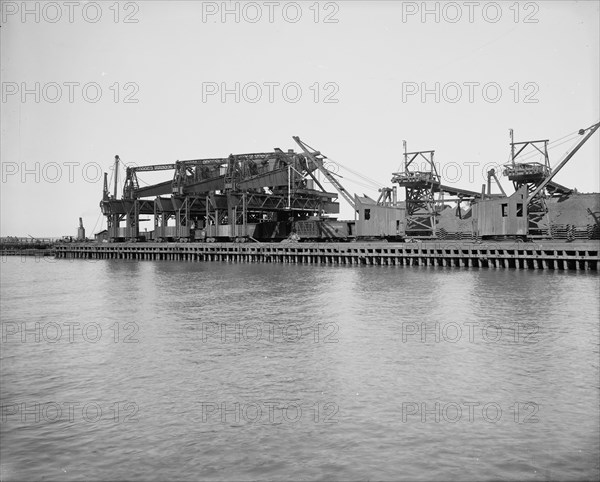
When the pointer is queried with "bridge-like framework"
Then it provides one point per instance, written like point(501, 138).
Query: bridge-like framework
point(237, 196)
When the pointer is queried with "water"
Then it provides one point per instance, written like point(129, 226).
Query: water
point(341, 384)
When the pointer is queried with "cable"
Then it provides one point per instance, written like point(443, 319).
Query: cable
point(566, 153)
point(96, 224)
point(551, 145)
point(110, 179)
point(374, 182)
point(142, 181)
point(568, 135)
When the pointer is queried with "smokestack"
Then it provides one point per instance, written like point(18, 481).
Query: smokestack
point(80, 231)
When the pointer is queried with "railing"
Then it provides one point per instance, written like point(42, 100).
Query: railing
point(415, 176)
point(526, 170)
point(27, 241)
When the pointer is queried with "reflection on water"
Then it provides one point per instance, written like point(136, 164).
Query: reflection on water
point(187, 371)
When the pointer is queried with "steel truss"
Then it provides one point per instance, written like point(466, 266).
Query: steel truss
point(531, 175)
point(421, 187)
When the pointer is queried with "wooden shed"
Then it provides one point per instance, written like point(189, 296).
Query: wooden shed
point(505, 216)
point(379, 220)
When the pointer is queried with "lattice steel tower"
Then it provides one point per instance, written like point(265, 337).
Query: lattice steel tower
point(421, 186)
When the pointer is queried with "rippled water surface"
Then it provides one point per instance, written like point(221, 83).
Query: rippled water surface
point(214, 371)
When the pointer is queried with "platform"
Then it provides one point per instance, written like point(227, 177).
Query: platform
point(550, 255)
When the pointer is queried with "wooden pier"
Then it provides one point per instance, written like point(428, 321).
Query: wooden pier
point(551, 255)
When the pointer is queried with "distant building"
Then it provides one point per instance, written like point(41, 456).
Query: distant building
point(102, 236)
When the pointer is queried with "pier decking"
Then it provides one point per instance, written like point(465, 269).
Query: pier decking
point(550, 255)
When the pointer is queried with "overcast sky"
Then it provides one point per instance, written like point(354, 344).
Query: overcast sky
point(158, 81)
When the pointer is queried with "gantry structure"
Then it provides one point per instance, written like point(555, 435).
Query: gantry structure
point(220, 197)
point(424, 193)
point(536, 178)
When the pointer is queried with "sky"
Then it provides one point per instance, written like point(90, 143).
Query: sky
point(156, 82)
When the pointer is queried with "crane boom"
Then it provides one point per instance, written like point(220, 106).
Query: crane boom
point(539, 189)
point(157, 167)
point(318, 161)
